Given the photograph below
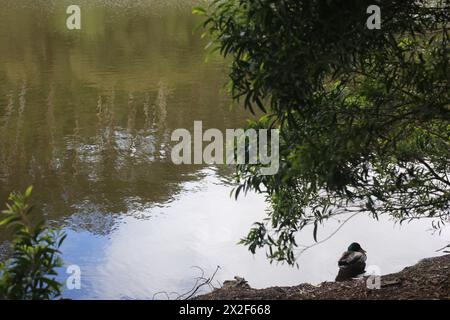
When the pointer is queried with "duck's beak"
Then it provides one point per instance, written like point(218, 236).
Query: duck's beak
point(363, 251)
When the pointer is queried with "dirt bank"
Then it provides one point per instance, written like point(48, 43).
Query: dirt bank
point(428, 279)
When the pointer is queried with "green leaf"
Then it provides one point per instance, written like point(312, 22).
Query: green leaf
point(199, 11)
point(28, 191)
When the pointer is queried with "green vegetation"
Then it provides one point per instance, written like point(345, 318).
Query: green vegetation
point(30, 273)
point(364, 114)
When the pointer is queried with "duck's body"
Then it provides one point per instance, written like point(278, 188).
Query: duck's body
point(352, 263)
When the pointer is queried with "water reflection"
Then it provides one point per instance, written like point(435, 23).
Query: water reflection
point(201, 228)
point(86, 117)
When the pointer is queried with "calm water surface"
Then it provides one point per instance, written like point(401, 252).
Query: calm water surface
point(86, 117)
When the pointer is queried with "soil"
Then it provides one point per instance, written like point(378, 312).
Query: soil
point(428, 279)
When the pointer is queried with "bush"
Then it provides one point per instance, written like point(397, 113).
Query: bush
point(30, 272)
point(363, 114)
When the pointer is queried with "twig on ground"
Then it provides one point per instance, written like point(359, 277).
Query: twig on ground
point(443, 248)
point(200, 282)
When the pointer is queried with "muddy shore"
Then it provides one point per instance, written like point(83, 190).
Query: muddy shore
point(428, 279)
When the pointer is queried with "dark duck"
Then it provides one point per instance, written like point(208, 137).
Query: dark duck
point(352, 263)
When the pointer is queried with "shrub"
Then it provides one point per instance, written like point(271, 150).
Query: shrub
point(30, 272)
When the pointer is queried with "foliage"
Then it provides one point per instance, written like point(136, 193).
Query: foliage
point(30, 273)
point(364, 114)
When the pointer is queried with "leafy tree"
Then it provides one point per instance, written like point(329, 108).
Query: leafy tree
point(30, 273)
point(364, 114)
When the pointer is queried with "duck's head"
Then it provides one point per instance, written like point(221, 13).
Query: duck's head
point(355, 246)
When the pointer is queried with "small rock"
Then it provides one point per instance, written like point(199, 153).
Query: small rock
point(238, 282)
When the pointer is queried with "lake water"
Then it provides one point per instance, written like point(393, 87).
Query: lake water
point(86, 117)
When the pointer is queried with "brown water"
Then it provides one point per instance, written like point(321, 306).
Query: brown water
point(86, 117)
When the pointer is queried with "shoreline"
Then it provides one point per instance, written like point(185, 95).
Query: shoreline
point(428, 279)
